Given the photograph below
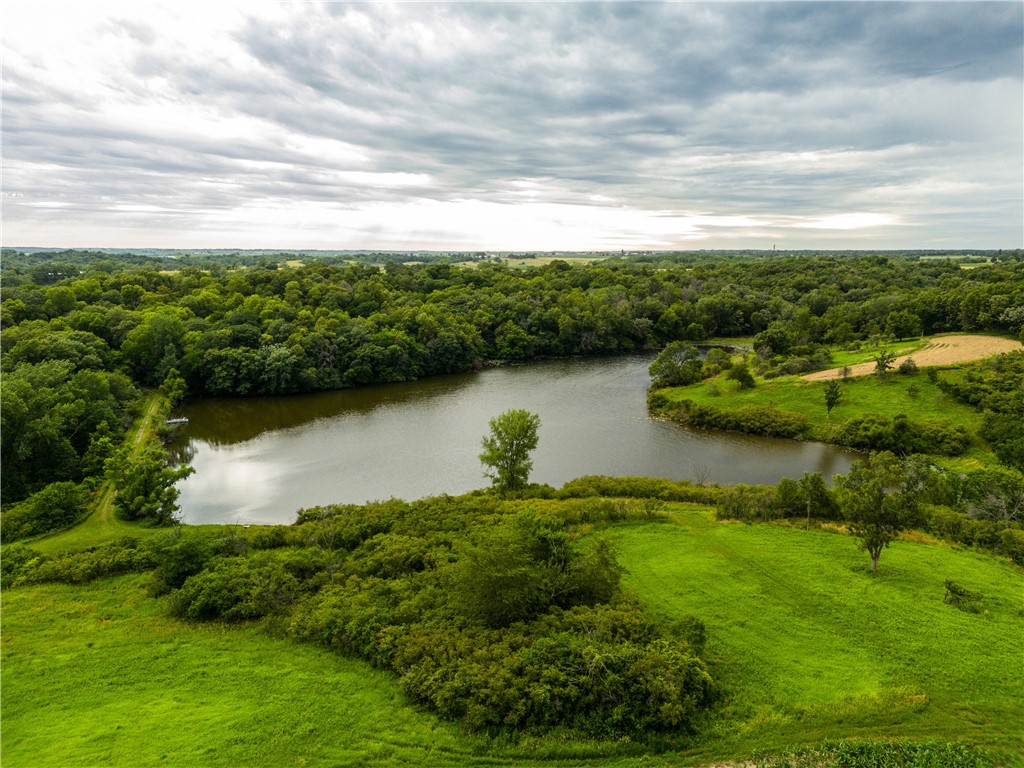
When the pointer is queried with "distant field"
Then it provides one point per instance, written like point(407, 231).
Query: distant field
point(807, 646)
point(915, 396)
point(939, 350)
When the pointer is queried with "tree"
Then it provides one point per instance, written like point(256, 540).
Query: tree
point(817, 496)
point(145, 485)
point(507, 449)
point(740, 373)
point(833, 394)
point(884, 361)
point(903, 325)
point(676, 365)
point(174, 387)
point(879, 500)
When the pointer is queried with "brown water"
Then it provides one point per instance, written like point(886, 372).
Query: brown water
point(259, 460)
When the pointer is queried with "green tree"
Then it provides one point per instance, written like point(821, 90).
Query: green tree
point(741, 374)
point(879, 500)
point(676, 365)
point(144, 484)
point(885, 360)
point(507, 449)
point(174, 387)
point(903, 325)
point(817, 496)
point(833, 394)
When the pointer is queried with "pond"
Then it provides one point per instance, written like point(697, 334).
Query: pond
point(259, 460)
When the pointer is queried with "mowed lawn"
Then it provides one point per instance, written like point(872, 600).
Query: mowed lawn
point(811, 646)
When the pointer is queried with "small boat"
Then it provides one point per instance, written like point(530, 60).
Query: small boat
point(176, 421)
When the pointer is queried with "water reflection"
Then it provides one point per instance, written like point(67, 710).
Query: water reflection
point(260, 460)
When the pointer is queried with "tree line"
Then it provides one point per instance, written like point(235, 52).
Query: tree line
point(82, 334)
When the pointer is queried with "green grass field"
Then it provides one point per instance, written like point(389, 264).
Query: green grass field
point(807, 646)
point(861, 396)
point(914, 396)
point(812, 646)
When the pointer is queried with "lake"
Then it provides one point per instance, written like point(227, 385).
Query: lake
point(258, 460)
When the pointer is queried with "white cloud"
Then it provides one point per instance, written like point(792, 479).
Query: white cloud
point(512, 126)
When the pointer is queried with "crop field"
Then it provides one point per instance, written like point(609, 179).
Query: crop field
point(938, 350)
point(807, 646)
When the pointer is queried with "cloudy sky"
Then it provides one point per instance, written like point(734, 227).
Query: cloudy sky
point(498, 126)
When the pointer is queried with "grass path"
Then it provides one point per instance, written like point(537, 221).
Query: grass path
point(102, 524)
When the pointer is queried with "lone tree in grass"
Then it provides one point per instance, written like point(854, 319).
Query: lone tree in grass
point(885, 361)
point(833, 394)
point(879, 500)
point(507, 449)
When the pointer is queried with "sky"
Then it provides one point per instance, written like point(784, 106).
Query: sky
point(512, 126)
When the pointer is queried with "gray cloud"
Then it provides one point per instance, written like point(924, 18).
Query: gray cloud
point(779, 110)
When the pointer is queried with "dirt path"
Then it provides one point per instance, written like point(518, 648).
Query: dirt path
point(941, 350)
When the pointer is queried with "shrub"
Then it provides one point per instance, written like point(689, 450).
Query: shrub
point(963, 598)
point(16, 560)
point(640, 488)
point(750, 419)
point(111, 559)
point(1011, 542)
point(908, 367)
point(900, 435)
point(905, 754)
point(237, 589)
point(757, 503)
point(55, 507)
point(741, 374)
point(617, 676)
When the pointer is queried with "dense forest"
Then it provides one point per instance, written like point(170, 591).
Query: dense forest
point(84, 331)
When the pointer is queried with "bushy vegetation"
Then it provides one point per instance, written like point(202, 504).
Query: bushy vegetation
point(497, 614)
point(748, 419)
point(57, 506)
point(983, 508)
point(996, 388)
point(898, 434)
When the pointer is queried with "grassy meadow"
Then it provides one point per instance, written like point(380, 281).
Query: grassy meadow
point(811, 646)
point(807, 647)
point(914, 396)
point(862, 395)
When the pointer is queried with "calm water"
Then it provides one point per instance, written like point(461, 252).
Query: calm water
point(259, 460)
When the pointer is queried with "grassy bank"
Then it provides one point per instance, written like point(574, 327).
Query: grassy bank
point(101, 524)
point(862, 396)
point(807, 647)
point(915, 396)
